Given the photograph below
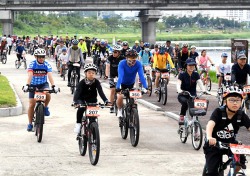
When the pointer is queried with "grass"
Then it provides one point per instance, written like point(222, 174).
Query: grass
point(213, 76)
point(7, 96)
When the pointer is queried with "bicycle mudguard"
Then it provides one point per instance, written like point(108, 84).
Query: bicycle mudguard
point(197, 112)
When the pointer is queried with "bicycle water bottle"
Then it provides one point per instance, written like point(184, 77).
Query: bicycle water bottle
point(168, 66)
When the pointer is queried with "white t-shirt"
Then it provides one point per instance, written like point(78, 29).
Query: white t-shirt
point(63, 58)
point(9, 41)
point(224, 68)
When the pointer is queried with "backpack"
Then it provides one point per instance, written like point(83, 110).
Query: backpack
point(224, 116)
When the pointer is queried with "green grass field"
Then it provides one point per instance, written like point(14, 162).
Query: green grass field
point(7, 96)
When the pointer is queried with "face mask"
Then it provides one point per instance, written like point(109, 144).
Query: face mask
point(147, 49)
point(74, 47)
point(89, 82)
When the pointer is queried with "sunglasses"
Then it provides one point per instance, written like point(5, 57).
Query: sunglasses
point(40, 57)
point(116, 52)
point(131, 61)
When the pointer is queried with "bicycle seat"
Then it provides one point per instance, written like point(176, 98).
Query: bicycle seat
point(197, 112)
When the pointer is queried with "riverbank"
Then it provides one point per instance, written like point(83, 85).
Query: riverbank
point(7, 96)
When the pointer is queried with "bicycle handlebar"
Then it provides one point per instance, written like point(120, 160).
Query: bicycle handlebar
point(32, 89)
point(84, 105)
point(192, 96)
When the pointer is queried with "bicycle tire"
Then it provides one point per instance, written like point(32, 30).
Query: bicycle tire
point(159, 92)
point(115, 105)
point(150, 88)
point(124, 125)
point(183, 135)
point(221, 173)
point(220, 97)
point(39, 122)
point(82, 142)
point(164, 92)
point(4, 59)
point(94, 143)
point(135, 128)
point(209, 84)
point(72, 83)
point(16, 64)
point(196, 135)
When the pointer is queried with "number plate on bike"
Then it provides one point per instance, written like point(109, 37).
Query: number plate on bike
point(76, 65)
point(147, 68)
point(227, 77)
point(164, 75)
point(64, 63)
point(40, 96)
point(92, 111)
point(246, 89)
point(240, 149)
point(135, 94)
point(200, 104)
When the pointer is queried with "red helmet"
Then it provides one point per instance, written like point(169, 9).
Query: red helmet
point(131, 53)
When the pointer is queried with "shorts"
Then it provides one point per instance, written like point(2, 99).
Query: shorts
point(112, 83)
point(123, 86)
point(40, 86)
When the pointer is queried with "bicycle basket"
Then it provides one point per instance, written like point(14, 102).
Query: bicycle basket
point(198, 107)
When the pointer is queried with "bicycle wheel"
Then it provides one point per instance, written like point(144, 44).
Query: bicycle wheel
point(115, 105)
point(134, 125)
point(94, 143)
point(72, 83)
point(124, 125)
point(209, 84)
point(183, 133)
point(220, 97)
point(196, 135)
point(149, 82)
point(4, 59)
point(159, 92)
point(221, 172)
point(39, 122)
point(16, 64)
point(164, 92)
point(82, 142)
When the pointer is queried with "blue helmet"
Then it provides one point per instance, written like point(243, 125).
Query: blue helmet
point(146, 44)
point(64, 49)
point(224, 55)
point(102, 43)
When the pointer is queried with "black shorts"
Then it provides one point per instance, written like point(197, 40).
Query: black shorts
point(40, 86)
point(123, 86)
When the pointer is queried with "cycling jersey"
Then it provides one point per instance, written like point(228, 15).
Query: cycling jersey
point(114, 62)
point(240, 75)
point(188, 83)
point(145, 55)
point(83, 47)
point(75, 55)
point(20, 49)
point(127, 75)
point(160, 61)
point(40, 72)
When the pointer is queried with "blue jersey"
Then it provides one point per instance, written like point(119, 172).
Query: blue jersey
point(127, 74)
point(145, 55)
point(20, 49)
point(40, 72)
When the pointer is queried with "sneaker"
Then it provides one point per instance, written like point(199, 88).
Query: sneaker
point(181, 120)
point(112, 110)
point(156, 90)
point(77, 128)
point(68, 84)
point(30, 127)
point(46, 111)
point(119, 113)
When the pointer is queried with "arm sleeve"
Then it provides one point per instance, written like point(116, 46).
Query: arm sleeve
point(100, 92)
point(141, 76)
point(78, 92)
point(120, 77)
point(170, 61)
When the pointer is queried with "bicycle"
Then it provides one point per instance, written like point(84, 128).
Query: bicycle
point(102, 66)
point(246, 100)
point(113, 81)
point(163, 85)
point(233, 159)
point(74, 78)
point(4, 56)
point(22, 60)
point(89, 132)
point(38, 118)
point(148, 78)
point(64, 69)
point(196, 107)
point(226, 82)
point(204, 75)
point(130, 119)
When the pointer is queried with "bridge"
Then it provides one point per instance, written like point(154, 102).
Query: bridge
point(149, 9)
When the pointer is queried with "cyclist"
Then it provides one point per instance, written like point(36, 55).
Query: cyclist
point(203, 59)
point(58, 51)
point(39, 71)
point(119, 42)
point(10, 43)
point(193, 54)
point(169, 49)
point(82, 44)
point(177, 55)
point(96, 46)
point(161, 58)
point(136, 46)
point(127, 70)
point(184, 56)
point(63, 57)
point(125, 47)
point(74, 56)
point(86, 92)
point(19, 51)
point(112, 70)
point(145, 56)
point(187, 81)
point(103, 51)
point(222, 69)
point(155, 50)
point(223, 126)
point(4, 45)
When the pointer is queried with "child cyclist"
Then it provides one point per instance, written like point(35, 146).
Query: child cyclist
point(86, 92)
point(63, 58)
point(223, 126)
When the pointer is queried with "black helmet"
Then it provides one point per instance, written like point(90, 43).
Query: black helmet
point(131, 53)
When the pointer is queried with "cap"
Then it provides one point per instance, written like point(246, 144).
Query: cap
point(190, 61)
point(241, 56)
point(224, 55)
point(193, 47)
point(136, 41)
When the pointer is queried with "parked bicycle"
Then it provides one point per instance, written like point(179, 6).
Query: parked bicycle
point(196, 107)
point(226, 82)
point(74, 78)
point(205, 78)
point(22, 60)
point(233, 159)
point(162, 94)
point(89, 132)
point(148, 78)
point(38, 118)
point(130, 119)
point(4, 56)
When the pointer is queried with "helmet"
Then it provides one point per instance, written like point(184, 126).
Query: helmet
point(193, 47)
point(102, 43)
point(75, 42)
point(185, 45)
point(90, 67)
point(39, 52)
point(177, 44)
point(64, 49)
point(97, 40)
point(224, 55)
point(125, 43)
point(233, 90)
point(117, 47)
point(131, 53)
point(137, 41)
point(146, 44)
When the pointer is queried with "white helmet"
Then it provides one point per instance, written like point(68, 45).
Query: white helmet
point(90, 67)
point(117, 47)
point(39, 52)
point(233, 90)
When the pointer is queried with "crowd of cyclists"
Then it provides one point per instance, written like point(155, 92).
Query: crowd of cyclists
point(123, 63)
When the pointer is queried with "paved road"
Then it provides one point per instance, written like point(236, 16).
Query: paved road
point(159, 151)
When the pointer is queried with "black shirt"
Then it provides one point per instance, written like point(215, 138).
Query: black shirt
point(188, 83)
point(227, 131)
point(88, 93)
point(123, 52)
point(193, 55)
point(113, 61)
point(240, 75)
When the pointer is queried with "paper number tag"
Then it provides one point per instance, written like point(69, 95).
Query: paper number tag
point(240, 149)
point(246, 89)
point(164, 75)
point(135, 94)
point(39, 96)
point(200, 104)
point(92, 111)
point(227, 77)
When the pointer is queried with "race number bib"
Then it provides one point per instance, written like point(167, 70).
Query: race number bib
point(227, 77)
point(92, 111)
point(40, 96)
point(200, 104)
point(246, 89)
point(240, 149)
point(135, 94)
point(164, 75)
point(64, 63)
point(147, 68)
